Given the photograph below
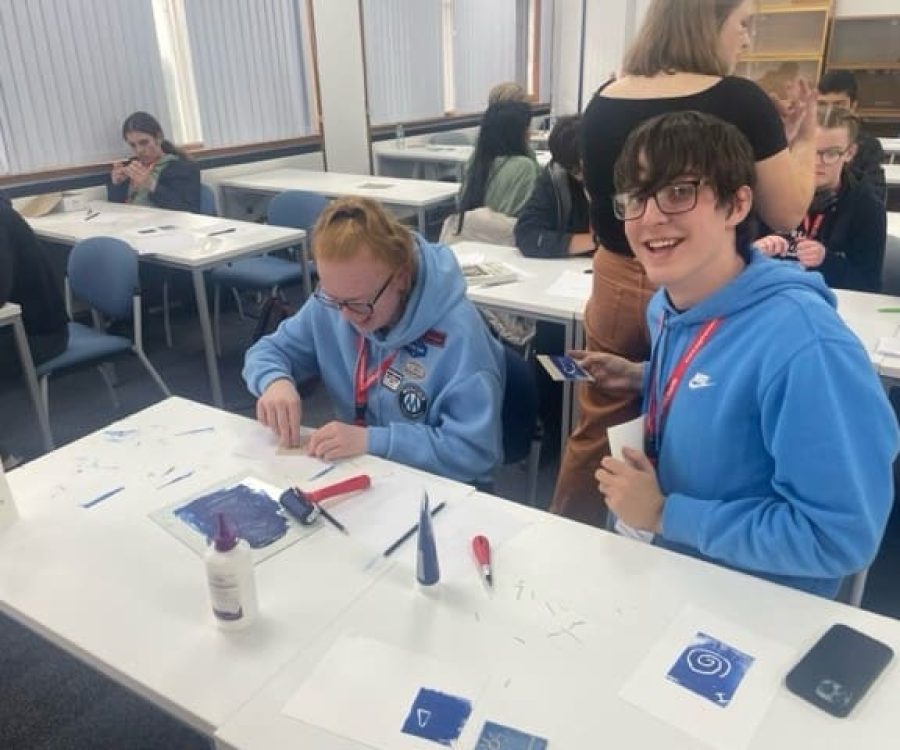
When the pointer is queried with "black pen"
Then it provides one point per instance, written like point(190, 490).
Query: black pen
point(332, 520)
point(393, 548)
point(222, 231)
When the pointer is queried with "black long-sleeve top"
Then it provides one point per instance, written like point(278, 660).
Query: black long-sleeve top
point(541, 230)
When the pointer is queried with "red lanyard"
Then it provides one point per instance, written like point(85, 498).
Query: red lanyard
point(656, 415)
point(811, 228)
point(362, 380)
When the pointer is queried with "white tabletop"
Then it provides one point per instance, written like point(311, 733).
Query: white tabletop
point(435, 153)
point(893, 224)
point(9, 312)
point(183, 241)
point(390, 190)
point(536, 678)
point(890, 145)
point(892, 174)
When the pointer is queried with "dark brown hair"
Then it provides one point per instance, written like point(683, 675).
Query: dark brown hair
point(144, 122)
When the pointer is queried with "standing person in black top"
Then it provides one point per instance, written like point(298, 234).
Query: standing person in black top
point(845, 229)
point(158, 175)
point(681, 60)
point(838, 88)
point(555, 222)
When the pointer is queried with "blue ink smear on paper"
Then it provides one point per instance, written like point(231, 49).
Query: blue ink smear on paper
point(255, 515)
point(711, 669)
point(117, 436)
point(175, 479)
point(499, 737)
point(194, 432)
point(437, 716)
point(101, 498)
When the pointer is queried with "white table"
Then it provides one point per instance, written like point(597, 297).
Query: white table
point(861, 312)
point(393, 191)
point(421, 154)
point(892, 175)
point(891, 147)
point(626, 594)
point(11, 315)
point(240, 239)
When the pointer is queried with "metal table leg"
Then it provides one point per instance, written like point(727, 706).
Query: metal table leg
point(31, 380)
point(212, 364)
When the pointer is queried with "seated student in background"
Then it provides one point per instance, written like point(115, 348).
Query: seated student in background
point(769, 440)
point(838, 88)
point(845, 230)
point(26, 278)
point(555, 222)
point(158, 175)
point(413, 373)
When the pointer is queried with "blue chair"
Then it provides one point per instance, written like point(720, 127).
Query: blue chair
point(103, 272)
point(521, 434)
point(297, 209)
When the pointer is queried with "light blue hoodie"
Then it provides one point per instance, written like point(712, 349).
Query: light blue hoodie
point(776, 456)
point(439, 406)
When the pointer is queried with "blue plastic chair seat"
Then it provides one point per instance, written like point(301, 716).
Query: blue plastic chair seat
point(86, 346)
point(264, 272)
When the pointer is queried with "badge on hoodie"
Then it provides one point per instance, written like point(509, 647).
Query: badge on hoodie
point(416, 349)
point(435, 338)
point(413, 401)
point(414, 369)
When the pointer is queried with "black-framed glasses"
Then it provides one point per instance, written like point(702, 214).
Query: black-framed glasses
point(831, 156)
point(675, 198)
point(363, 309)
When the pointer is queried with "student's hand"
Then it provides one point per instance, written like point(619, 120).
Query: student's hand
point(338, 440)
point(774, 245)
point(140, 176)
point(118, 174)
point(798, 114)
point(632, 491)
point(810, 253)
point(279, 408)
point(610, 372)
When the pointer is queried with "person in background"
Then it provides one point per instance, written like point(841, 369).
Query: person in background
point(508, 91)
point(681, 59)
point(750, 357)
point(838, 88)
point(412, 371)
point(555, 221)
point(844, 232)
point(159, 174)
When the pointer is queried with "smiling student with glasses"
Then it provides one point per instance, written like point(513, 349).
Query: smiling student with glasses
point(413, 373)
point(768, 439)
point(844, 232)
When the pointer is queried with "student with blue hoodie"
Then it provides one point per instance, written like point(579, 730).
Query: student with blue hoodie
point(412, 370)
point(768, 438)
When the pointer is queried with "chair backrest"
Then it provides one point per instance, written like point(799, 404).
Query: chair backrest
point(520, 407)
point(451, 138)
point(298, 209)
point(103, 271)
point(208, 200)
point(890, 273)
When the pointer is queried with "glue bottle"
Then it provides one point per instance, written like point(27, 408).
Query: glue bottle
point(8, 512)
point(229, 572)
point(428, 571)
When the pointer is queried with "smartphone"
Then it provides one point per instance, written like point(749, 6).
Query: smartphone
point(839, 669)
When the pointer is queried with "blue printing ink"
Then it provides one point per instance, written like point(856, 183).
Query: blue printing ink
point(428, 571)
point(255, 515)
point(437, 716)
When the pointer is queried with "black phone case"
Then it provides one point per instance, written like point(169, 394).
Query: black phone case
point(839, 669)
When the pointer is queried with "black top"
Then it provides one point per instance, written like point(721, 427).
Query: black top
point(866, 165)
point(177, 187)
point(557, 209)
point(607, 123)
point(26, 276)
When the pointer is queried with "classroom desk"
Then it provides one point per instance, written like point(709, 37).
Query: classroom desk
point(860, 311)
point(528, 297)
point(891, 148)
point(123, 221)
point(394, 191)
point(11, 315)
point(109, 585)
point(892, 175)
point(421, 154)
point(617, 598)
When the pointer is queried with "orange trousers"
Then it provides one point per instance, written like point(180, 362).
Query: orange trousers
point(614, 322)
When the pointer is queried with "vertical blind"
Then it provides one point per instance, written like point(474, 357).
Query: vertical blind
point(70, 72)
point(484, 49)
point(249, 62)
point(403, 59)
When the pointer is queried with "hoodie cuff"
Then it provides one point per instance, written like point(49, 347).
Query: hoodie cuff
point(266, 380)
point(378, 442)
point(684, 519)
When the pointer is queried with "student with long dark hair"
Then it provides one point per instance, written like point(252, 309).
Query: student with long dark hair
point(159, 174)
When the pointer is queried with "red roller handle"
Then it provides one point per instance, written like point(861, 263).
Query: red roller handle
point(352, 484)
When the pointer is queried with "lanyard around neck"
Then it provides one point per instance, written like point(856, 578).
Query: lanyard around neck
point(811, 227)
point(363, 380)
point(654, 421)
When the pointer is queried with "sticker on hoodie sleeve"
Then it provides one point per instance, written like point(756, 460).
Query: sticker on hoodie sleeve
point(413, 401)
point(392, 379)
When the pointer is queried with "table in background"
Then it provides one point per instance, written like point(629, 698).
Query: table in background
point(422, 154)
point(892, 175)
point(891, 148)
point(240, 240)
point(11, 315)
point(390, 191)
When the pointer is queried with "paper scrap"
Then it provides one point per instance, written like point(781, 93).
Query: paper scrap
point(628, 435)
point(571, 284)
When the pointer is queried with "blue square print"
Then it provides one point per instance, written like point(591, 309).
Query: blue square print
point(437, 716)
point(711, 669)
point(498, 737)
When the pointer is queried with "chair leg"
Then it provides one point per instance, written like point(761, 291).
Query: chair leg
point(167, 321)
point(534, 463)
point(153, 373)
point(45, 395)
point(104, 373)
point(217, 331)
point(237, 301)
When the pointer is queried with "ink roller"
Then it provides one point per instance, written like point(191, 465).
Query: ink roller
point(304, 506)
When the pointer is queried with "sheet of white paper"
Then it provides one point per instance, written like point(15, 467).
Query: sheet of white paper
point(889, 346)
point(363, 689)
point(572, 284)
point(161, 241)
point(628, 435)
point(730, 726)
